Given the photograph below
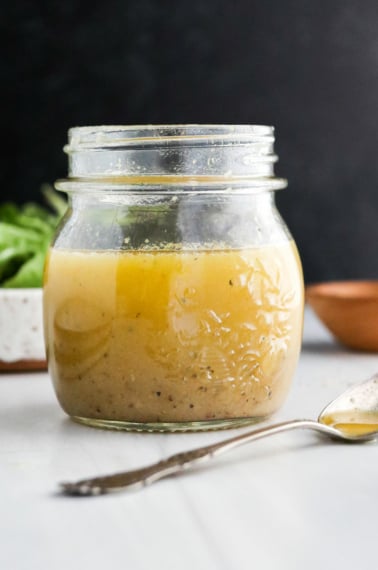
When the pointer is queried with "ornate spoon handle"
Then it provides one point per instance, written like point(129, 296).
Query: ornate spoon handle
point(179, 462)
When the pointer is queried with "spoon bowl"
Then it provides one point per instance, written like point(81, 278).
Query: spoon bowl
point(352, 417)
point(355, 412)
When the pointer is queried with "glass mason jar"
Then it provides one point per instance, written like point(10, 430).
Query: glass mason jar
point(173, 296)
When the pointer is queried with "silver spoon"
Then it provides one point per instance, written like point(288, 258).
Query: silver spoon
point(352, 417)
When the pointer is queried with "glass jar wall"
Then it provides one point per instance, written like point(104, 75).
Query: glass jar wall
point(173, 296)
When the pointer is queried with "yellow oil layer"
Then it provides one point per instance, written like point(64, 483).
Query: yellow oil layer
point(352, 423)
point(173, 336)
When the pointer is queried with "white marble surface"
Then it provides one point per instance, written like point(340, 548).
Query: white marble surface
point(294, 501)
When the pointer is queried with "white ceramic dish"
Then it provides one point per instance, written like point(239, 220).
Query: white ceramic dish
point(21, 330)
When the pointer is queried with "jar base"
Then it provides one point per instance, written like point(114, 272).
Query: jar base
point(169, 427)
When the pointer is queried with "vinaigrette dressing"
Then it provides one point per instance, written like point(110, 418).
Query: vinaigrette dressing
point(352, 423)
point(173, 336)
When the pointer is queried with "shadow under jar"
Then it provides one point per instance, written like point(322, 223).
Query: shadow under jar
point(173, 295)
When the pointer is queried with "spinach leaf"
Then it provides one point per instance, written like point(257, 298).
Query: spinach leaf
point(25, 234)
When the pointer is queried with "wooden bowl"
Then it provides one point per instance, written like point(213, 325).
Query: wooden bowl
point(349, 309)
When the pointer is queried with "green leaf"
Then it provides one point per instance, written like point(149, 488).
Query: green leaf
point(11, 235)
point(26, 220)
point(11, 260)
point(30, 273)
point(25, 235)
point(8, 212)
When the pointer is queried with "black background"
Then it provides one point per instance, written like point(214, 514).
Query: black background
point(310, 68)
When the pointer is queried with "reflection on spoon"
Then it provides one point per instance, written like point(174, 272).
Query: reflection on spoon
point(352, 417)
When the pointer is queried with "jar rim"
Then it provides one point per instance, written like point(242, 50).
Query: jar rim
point(104, 136)
point(165, 158)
